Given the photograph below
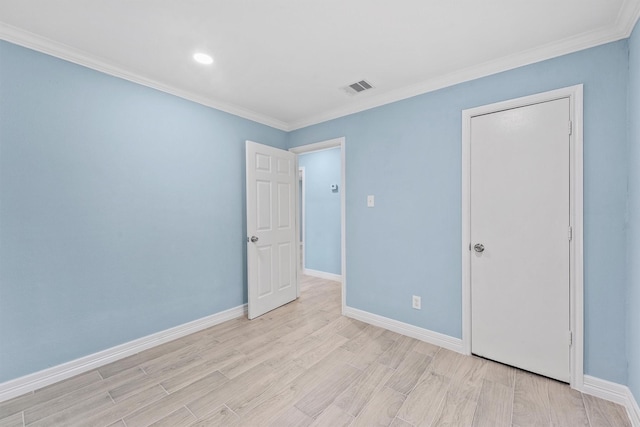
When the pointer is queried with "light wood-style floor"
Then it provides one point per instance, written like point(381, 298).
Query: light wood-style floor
point(306, 365)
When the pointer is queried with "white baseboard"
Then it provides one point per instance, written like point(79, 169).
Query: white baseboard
point(436, 338)
point(613, 392)
point(322, 275)
point(37, 380)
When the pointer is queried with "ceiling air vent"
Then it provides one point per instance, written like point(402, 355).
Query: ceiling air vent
point(358, 87)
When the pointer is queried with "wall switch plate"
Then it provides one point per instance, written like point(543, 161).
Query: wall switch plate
point(370, 201)
point(416, 302)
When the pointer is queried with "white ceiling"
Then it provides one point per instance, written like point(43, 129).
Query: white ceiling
point(283, 62)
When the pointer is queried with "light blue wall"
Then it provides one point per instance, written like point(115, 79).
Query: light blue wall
point(633, 255)
point(322, 210)
point(122, 210)
point(408, 154)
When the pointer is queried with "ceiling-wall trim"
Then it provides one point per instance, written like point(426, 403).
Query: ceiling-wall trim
point(625, 22)
point(42, 44)
point(628, 16)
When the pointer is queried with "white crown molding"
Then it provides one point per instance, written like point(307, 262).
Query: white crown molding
point(42, 44)
point(37, 380)
point(625, 22)
point(628, 16)
point(613, 392)
point(435, 338)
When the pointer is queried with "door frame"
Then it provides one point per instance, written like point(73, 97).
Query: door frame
point(300, 215)
point(319, 146)
point(576, 253)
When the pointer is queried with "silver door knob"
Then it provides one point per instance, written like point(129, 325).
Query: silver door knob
point(254, 239)
point(478, 247)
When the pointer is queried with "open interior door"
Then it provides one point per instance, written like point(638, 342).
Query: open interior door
point(271, 228)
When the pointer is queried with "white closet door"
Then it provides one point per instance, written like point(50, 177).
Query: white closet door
point(520, 237)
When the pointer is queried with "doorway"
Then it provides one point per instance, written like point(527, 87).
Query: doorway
point(522, 227)
point(320, 212)
point(333, 190)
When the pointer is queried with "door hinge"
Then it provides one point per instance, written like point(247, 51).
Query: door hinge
point(570, 233)
point(570, 127)
point(570, 338)
point(469, 246)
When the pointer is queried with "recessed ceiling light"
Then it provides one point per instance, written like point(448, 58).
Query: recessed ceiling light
point(203, 58)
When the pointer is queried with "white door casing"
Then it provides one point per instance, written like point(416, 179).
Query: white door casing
point(271, 227)
point(326, 145)
point(301, 216)
point(516, 247)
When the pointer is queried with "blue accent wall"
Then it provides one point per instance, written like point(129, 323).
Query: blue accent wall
point(122, 210)
point(408, 154)
point(633, 237)
point(322, 210)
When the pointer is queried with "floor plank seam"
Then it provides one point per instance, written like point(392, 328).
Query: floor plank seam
point(165, 390)
point(232, 411)
point(403, 420)
point(475, 410)
point(513, 399)
point(586, 411)
point(549, 412)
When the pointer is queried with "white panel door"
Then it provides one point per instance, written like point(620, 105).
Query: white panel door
point(271, 228)
point(520, 216)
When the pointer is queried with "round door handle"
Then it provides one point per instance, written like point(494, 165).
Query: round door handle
point(254, 239)
point(478, 247)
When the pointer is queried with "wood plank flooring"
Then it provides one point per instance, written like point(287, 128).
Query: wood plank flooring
point(306, 365)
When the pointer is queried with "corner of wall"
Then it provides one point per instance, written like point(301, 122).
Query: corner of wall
point(633, 218)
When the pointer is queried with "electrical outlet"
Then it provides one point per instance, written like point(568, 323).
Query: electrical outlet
point(416, 302)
